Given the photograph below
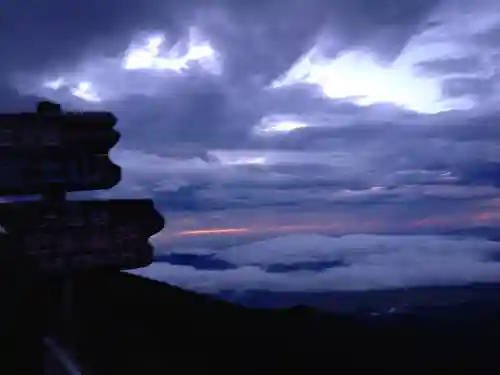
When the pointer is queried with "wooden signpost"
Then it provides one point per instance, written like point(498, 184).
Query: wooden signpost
point(83, 235)
point(50, 152)
point(46, 150)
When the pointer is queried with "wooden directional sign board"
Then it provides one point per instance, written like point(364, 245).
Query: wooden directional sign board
point(32, 173)
point(51, 152)
point(65, 149)
point(81, 235)
point(89, 132)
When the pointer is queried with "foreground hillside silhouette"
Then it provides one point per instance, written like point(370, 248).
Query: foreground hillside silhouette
point(130, 325)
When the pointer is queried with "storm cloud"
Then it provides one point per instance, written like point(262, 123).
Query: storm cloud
point(265, 118)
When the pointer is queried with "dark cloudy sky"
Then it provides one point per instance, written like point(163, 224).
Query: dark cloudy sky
point(292, 145)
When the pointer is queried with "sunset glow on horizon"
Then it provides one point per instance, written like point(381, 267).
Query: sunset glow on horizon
point(340, 228)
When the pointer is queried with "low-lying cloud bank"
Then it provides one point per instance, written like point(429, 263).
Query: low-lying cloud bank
point(352, 263)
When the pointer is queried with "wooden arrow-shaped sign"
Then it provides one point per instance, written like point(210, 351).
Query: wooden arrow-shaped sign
point(81, 235)
point(42, 149)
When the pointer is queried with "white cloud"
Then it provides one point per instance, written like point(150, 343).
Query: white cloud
point(278, 124)
point(357, 249)
point(151, 54)
point(360, 76)
point(143, 68)
point(357, 76)
point(375, 262)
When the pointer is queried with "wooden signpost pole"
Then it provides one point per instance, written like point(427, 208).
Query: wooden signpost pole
point(55, 196)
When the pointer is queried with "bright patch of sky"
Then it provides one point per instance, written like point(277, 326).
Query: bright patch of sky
point(240, 158)
point(356, 75)
point(274, 124)
point(149, 54)
point(359, 76)
point(141, 69)
point(85, 91)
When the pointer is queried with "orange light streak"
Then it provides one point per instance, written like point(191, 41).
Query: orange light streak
point(210, 231)
point(254, 230)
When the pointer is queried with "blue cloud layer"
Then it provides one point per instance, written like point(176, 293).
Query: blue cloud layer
point(319, 117)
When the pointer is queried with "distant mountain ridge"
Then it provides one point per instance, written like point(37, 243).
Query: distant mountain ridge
point(376, 301)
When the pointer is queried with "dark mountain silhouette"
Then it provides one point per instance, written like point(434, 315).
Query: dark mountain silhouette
point(375, 301)
point(130, 325)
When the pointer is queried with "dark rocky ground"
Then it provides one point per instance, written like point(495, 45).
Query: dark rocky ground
point(132, 325)
point(124, 324)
